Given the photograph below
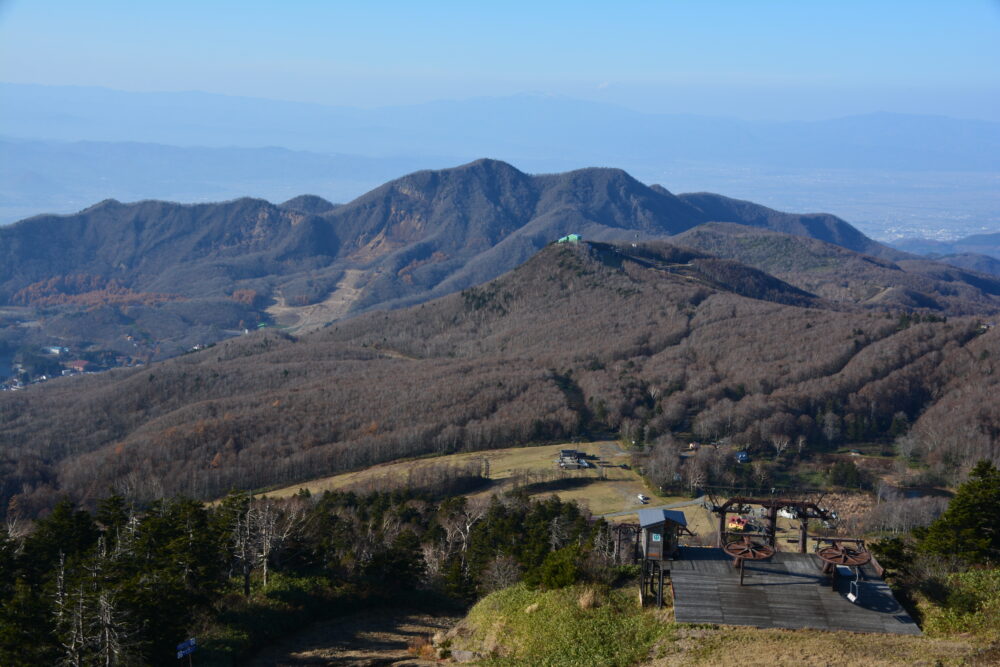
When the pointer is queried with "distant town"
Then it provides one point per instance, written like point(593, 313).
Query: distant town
point(37, 365)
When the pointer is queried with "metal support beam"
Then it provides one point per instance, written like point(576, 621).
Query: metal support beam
point(772, 526)
point(805, 510)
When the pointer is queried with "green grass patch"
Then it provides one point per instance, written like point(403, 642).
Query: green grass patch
point(574, 626)
point(972, 607)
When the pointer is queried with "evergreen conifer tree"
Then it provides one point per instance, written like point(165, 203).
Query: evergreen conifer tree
point(970, 527)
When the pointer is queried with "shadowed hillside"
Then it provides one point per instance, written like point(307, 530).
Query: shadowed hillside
point(822, 226)
point(971, 261)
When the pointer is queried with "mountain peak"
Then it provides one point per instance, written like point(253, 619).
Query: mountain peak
point(310, 204)
point(488, 163)
point(104, 203)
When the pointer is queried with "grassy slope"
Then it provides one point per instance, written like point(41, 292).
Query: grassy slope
point(601, 490)
point(614, 492)
point(518, 626)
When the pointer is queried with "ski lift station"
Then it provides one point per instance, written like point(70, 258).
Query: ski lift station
point(746, 580)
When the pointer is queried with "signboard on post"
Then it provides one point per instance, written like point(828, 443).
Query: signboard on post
point(186, 649)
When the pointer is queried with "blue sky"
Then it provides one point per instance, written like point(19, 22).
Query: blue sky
point(776, 60)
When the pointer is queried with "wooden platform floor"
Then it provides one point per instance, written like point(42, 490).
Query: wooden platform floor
point(787, 591)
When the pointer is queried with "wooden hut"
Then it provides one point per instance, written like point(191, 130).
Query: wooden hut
point(660, 532)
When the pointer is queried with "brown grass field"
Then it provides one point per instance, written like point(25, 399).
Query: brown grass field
point(730, 645)
point(602, 489)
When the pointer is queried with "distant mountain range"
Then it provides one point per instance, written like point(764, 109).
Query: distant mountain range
point(164, 277)
point(61, 177)
point(62, 148)
point(523, 127)
point(983, 244)
point(979, 252)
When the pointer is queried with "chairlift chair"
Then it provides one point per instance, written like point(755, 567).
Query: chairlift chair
point(855, 592)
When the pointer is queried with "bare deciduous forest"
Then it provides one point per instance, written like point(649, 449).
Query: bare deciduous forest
point(642, 341)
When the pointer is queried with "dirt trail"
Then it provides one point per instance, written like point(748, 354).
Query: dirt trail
point(303, 319)
point(393, 354)
point(369, 639)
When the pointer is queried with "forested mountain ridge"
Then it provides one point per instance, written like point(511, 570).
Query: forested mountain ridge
point(838, 274)
point(153, 279)
point(644, 340)
point(821, 226)
point(971, 261)
point(189, 250)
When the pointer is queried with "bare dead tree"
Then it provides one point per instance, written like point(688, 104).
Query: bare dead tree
point(502, 572)
point(696, 472)
point(70, 615)
point(458, 525)
point(242, 544)
point(435, 555)
point(780, 443)
point(604, 544)
point(17, 529)
point(831, 426)
point(906, 445)
point(760, 473)
point(113, 637)
point(558, 532)
point(68, 619)
point(271, 526)
point(127, 535)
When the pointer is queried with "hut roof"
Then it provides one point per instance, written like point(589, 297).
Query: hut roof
point(653, 517)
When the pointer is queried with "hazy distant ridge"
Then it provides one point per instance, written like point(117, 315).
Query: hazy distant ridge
point(523, 127)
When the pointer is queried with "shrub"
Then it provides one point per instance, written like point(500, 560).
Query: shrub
point(559, 569)
point(972, 606)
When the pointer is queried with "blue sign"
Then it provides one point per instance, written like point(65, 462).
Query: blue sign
point(186, 648)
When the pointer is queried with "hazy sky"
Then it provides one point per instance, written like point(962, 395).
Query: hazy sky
point(777, 60)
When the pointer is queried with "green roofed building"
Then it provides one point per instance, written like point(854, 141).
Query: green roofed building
point(572, 238)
